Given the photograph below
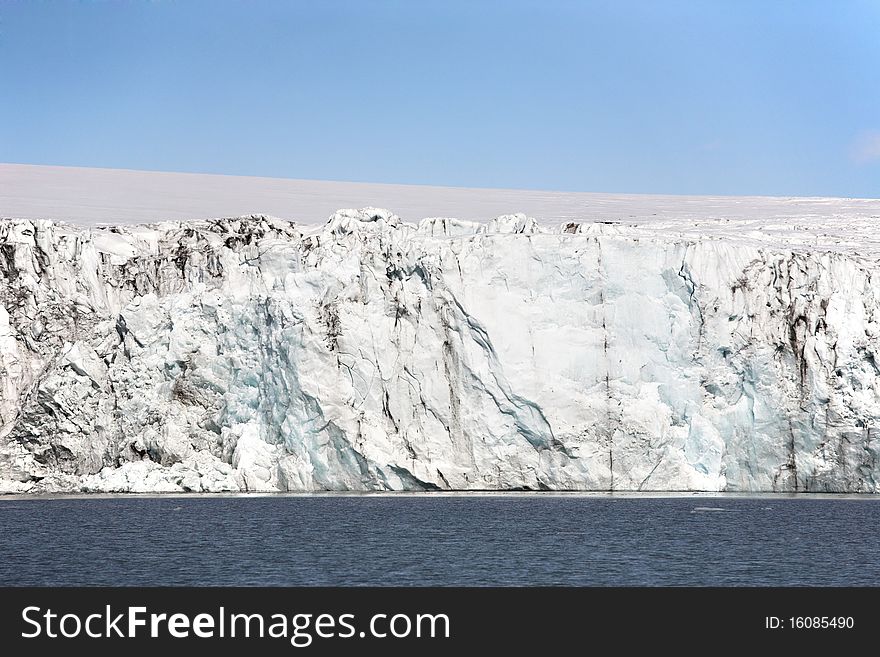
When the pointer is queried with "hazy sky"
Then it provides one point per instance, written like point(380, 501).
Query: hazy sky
point(700, 97)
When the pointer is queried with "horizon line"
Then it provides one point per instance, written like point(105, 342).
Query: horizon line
point(433, 186)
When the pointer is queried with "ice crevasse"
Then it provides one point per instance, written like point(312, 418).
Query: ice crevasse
point(254, 354)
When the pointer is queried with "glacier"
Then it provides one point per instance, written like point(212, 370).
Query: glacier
point(256, 354)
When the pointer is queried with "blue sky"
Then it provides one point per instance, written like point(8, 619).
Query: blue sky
point(699, 97)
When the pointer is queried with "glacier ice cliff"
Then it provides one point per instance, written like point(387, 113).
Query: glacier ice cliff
point(253, 354)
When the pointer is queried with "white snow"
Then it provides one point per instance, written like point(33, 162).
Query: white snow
point(116, 196)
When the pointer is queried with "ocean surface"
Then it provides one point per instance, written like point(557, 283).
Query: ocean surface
point(440, 540)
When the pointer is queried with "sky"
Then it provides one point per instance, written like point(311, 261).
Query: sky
point(734, 97)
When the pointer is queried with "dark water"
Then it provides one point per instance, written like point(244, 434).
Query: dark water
point(415, 540)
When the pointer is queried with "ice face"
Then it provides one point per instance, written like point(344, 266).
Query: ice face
point(373, 354)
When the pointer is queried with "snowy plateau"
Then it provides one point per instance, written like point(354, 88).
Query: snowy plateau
point(369, 353)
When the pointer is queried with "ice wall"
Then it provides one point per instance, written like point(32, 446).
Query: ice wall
point(372, 354)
